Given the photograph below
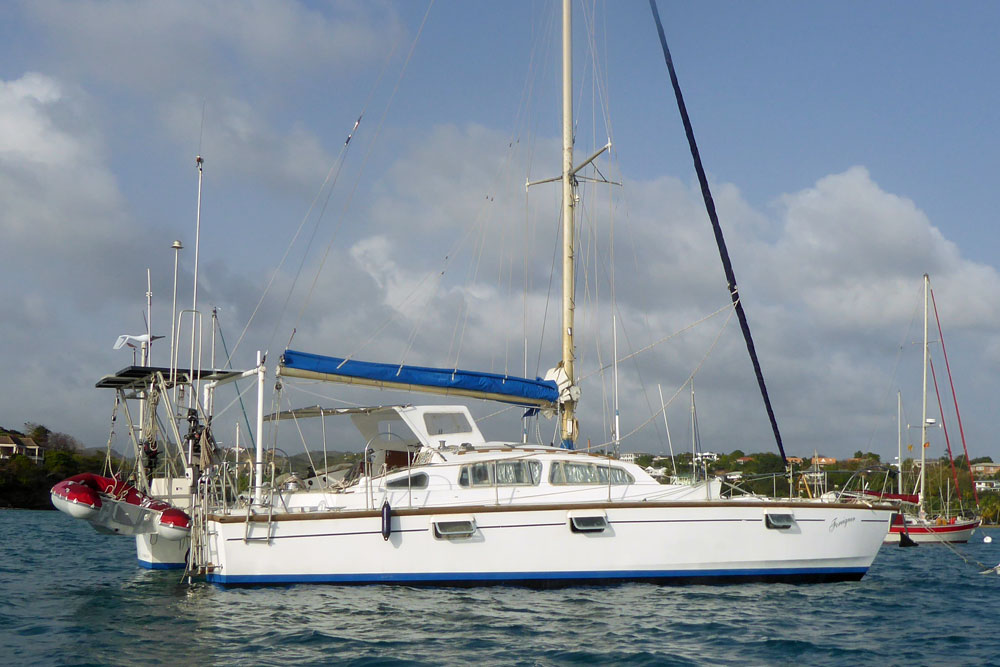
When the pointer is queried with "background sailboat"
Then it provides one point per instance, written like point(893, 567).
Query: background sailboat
point(919, 523)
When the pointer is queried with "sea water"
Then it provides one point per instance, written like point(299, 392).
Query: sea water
point(73, 596)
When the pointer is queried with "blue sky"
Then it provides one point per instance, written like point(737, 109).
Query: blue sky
point(851, 147)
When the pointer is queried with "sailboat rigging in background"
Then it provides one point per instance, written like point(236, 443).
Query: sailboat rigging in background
point(919, 524)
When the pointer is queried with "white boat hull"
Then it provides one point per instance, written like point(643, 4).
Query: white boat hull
point(713, 541)
point(157, 553)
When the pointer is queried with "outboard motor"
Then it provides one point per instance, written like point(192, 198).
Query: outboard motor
point(150, 455)
point(194, 433)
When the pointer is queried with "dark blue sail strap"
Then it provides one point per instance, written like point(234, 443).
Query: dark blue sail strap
point(713, 216)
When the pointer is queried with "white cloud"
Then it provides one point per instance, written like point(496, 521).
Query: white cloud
point(61, 202)
point(829, 282)
point(241, 144)
point(153, 45)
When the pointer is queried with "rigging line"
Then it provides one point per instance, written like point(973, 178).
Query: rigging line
point(239, 398)
point(201, 128)
point(396, 308)
point(638, 372)
point(944, 424)
point(298, 387)
point(548, 294)
point(510, 300)
point(463, 319)
point(302, 439)
point(895, 367)
point(236, 384)
point(334, 172)
point(599, 75)
point(333, 185)
point(523, 106)
point(954, 397)
point(690, 378)
point(720, 241)
point(498, 412)
point(312, 237)
point(377, 133)
point(483, 226)
point(284, 257)
point(730, 307)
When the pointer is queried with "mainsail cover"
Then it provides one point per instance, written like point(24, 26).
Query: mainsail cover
point(536, 393)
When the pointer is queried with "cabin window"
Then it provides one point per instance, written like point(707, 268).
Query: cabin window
point(446, 423)
point(563, 472)
point(501, 473)
point(418, 481)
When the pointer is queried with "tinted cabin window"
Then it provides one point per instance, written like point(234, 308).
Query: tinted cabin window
point(418, 481)
point(501, 473)
point(563, 472)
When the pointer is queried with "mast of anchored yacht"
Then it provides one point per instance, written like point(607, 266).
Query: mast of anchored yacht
point(923, 420)
point(568, 421)
point(899, 436)
point(569, 392)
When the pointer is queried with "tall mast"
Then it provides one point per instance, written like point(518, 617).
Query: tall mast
point(194, 300)
point(673, 463)
point(923, 421)
point(617, 423)
point(694, 437)
point(899, 429)
point(568, 420)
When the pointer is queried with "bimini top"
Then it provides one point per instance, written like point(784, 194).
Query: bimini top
point(536, 393)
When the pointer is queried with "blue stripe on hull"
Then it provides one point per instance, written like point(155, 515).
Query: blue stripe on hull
point(555, 579)
point(160, 566)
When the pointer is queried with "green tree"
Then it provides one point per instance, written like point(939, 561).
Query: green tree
point(38, 433)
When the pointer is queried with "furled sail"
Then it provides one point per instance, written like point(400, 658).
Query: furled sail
point(536, 393)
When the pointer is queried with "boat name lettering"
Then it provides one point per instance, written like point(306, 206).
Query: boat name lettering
point(837, 523)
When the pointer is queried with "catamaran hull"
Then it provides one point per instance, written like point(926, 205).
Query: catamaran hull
point(158, 553)
point(709, 542)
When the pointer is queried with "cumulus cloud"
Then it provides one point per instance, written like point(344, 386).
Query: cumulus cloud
point(244, 144)
point(829, 276)
point(67, 249)
point(62, 205)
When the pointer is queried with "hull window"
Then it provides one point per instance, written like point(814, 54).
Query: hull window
point(450, 529)
point(588, 524)
point(779, 521)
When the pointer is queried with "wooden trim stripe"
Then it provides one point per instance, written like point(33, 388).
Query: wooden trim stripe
point(491, 509)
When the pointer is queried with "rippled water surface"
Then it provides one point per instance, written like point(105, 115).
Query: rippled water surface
point(72, 596)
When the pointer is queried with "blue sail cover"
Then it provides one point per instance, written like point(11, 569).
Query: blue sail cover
point(448, 381)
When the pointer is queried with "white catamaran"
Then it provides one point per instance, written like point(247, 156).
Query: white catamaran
point(433, 502)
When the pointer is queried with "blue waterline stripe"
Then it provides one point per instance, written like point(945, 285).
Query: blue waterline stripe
point(160, 566)
point(512, 577)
